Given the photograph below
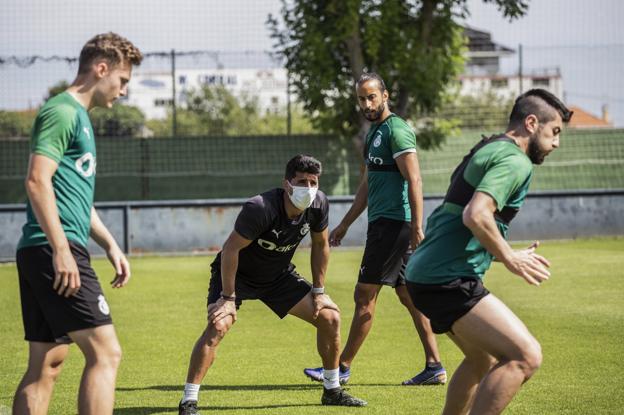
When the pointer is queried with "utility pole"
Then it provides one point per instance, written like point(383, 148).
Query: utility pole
point(520, 68)
point(288, 115)
point(174, 126)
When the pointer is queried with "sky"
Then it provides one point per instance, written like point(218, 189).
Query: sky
point(584, 39)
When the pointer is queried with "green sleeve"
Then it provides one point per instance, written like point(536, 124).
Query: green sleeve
point(504, 175)
point(53, 130)
point(402, 139)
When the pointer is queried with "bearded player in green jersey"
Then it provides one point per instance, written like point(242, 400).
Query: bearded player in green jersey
point(62, 301)
point(391, 188)
point(464, 234)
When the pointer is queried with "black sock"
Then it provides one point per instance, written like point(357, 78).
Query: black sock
point(434, 365)
point(343, 368)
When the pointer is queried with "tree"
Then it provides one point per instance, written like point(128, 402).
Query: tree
point(213, 110)
point(119, 121)
point(416, 46)
point(486, 112)
point(56, 89)
point(16, 123)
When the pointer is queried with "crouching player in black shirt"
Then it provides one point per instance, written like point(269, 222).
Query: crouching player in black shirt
point(255, 264)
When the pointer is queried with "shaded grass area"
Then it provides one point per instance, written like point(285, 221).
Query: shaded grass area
point(577, 316)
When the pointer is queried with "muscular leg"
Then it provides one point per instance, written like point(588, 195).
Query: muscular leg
point(492, 328)
point(327, 329)
point(422, 324)
point(467, 376)
point(102, 353)
point(45, 361)
point(205, 348)
point(365, 297)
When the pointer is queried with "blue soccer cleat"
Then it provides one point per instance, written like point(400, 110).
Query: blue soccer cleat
point(428, 377)
point(316, 374)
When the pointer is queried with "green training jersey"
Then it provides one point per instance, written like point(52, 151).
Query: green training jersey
point(496, 166)
point(387, 189)
point(63, 132)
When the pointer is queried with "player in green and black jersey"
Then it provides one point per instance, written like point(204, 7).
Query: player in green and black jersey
point(61, 298)
point(391, 188)
point(464, 234)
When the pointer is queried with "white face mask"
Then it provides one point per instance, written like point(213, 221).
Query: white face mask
point(302, 197)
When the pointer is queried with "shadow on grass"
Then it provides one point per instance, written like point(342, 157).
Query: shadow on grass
point(145, 410)
point(180, 387)
point(289, 387)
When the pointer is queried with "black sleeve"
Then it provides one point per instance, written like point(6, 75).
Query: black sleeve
point(253, 219)
point(321, 212)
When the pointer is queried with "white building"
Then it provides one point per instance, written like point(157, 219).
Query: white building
point(152, 92)
point(482, 72)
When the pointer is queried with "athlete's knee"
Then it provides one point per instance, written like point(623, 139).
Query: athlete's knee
point(404, 298)
point(51, 371)
point(532, 359)
point(111, 356)
point(329, 318)
point(364, 299)
point(216, 331)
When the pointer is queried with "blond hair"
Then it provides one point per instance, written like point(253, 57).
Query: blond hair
point(110, 46)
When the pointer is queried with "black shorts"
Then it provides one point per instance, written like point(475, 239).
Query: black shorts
point(444, 304)
point(386, 252)
point(280, 294)
point(47, 316)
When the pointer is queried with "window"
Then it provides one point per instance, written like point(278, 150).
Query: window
point(499, 83)
point(541, 82)
point(159, 102)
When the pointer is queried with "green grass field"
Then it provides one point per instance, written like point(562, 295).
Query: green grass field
point(578, 316)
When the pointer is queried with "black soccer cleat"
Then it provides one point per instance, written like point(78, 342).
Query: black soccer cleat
point(340, 397)
point(188, 408)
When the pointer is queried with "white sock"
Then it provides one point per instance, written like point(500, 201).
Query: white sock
point(191, 391)
point(330, 379)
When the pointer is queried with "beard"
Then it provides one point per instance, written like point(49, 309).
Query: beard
point(374, 115)
point(535, 152)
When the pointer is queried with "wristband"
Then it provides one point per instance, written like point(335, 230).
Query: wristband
point(228, 297)
point(318, 290)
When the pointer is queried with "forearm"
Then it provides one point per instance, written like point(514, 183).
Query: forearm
point(319, 259)
point(100, 234)
point(359, 204)
point(229, 266)
point(484, 228)
point(43, 201)
point(415, 196)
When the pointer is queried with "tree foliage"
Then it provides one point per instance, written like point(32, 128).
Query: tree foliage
point(119, 121)
point(417, 46)
point(214, 111)
point(16, 123)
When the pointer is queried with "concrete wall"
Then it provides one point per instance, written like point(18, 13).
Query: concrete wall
point(197, 226)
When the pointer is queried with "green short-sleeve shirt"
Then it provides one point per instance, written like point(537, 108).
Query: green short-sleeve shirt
point(450, 250)
point(387, 189)
point(62, 132)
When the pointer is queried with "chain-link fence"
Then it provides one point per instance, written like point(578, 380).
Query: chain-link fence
point(236, 139)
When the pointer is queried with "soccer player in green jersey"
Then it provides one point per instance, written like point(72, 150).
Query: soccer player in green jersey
point(391, 188)
point(62, 301)
point(464, 234)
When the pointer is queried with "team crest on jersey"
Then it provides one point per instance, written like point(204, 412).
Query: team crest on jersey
point(103, 305)
point(85, 165)
point(377, 141)
point(305, 229)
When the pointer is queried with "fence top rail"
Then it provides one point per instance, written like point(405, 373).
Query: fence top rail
point(20, 207)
